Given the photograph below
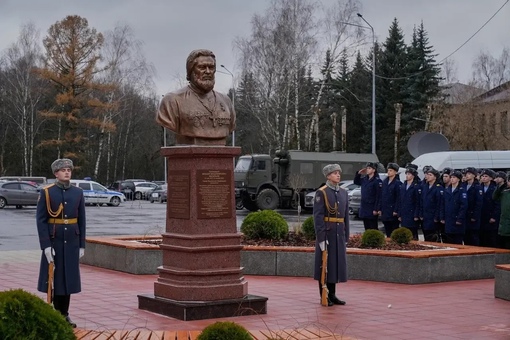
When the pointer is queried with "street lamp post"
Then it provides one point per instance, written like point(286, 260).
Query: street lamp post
point(233, 101)
point(373, 82)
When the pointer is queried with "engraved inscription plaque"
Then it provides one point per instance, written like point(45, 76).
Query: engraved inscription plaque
point(178, 194)
point(214, 194)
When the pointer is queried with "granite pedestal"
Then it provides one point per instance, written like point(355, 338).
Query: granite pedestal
point(201, 272)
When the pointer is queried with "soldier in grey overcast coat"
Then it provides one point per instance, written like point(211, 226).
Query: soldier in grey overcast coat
point(331, 220)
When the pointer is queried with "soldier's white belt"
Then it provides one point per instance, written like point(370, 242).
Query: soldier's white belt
point(62, 221)
point(334, 219)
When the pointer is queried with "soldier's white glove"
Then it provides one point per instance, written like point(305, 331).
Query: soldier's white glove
point(322, 245)
point(82, 252)
point(49, 254)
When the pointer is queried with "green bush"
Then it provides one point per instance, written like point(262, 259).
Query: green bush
point(24, 316)
point(373, 239)
point(223, 330)
point(308, 228)
point(401, 235)
point(265, 224)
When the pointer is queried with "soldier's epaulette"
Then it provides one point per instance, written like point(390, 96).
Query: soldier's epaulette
point(438, 185)
point(323, 187)
point(48, 186)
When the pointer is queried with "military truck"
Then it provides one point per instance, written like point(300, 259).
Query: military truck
point(265, 183)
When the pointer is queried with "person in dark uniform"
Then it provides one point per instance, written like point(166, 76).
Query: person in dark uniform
point(502, 195)
point(491, 209)
point(61, 227)
point(389, 199)
point(431, 197)
point(409, 202)
point(371, 188)
point(331, 219)
point(445, 177)
point(500, 178)
point(474, 210)
point(453, 209)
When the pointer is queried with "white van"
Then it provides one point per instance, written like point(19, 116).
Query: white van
point(495, 160)
point(95, 193)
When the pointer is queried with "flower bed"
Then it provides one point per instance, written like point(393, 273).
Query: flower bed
point(452, 263)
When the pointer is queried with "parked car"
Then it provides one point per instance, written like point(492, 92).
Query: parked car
point(125, 187)
point(159, 194)
point(18, 193)
point(143, 189)
point(347, 185)
point(95, 193)
point(354, 201)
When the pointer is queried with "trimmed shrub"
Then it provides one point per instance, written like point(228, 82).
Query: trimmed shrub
point(223, 330)
point(24, 316)
point(373, 239)
point(308, 228)
point(402, 235)
point(265, 224)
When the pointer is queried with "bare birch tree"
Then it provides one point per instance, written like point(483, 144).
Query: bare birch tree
point(127, 69)
point(337, 36)
point(24, 90)
point(489, 72)
point(281, 44)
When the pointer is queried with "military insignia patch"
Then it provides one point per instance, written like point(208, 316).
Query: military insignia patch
point(317, 198)
point(481, 193)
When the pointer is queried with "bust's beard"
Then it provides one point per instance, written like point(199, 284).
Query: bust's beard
point(205, 85)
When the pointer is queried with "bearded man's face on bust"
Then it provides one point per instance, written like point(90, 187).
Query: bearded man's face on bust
point(202, 74)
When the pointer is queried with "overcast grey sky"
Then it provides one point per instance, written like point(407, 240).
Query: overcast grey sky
point(170, 29)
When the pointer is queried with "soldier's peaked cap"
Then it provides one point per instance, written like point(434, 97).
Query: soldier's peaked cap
point(61, 163)
point(456, 173)
point(372, 165)
point(331, 168)
point(393, 166)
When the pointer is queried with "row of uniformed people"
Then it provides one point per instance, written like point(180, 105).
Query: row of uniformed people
point(454, 207)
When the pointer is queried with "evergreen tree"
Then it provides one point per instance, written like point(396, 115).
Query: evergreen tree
point(247, 125)
point(357, 98)
point(422, 88)
point(391, 71)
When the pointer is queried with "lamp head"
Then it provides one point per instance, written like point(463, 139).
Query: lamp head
point(359, 14)
point(222, 66)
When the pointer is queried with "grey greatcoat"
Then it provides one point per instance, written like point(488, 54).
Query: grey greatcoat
point(66, 239)
point(336, 233)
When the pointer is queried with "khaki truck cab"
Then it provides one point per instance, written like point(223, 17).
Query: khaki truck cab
point(282, 182)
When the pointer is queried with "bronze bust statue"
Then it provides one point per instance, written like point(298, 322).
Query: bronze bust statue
point(196, 113)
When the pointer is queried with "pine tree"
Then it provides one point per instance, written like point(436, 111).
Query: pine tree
point(421, 90)
point(357, 98)
point(391, 69)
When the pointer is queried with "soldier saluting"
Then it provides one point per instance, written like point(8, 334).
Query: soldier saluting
point(331, 220)
point(61, 227)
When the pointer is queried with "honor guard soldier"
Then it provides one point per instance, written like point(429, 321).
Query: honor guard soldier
point(409, 204)
point(491, 209)
point(431, 196)
point(453, 209)
point(371, 188)
point(389, 202)
point(61, 227)
point(474, 209)
point(331, 220)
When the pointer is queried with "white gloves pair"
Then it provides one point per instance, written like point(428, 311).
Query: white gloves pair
point(323, 244)
point(50, 253)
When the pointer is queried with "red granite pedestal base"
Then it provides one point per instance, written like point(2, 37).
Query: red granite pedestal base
point(201, 273)
point(199, 310)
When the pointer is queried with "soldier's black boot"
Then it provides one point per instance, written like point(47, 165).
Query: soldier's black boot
point(331, 295)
